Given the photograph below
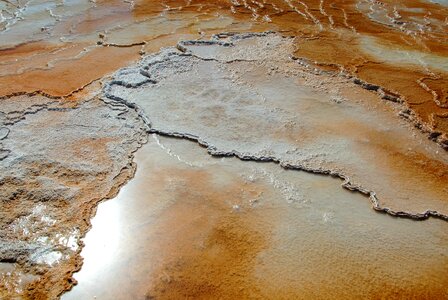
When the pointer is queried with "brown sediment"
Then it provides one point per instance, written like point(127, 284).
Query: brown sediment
point(24, 50)
point(412, 167)
point(328, 34)
point(223, 262)
point(42, 59)
point(302, 127)
point(438, 88)
point(406, 85)
point(195, 227)
point(81, 154)
point(69, 75)
point(380, 206)
point(341, 47)
point(52, 282)
point(111, 13)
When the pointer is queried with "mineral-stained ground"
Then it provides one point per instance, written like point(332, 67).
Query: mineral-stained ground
point(264, 149)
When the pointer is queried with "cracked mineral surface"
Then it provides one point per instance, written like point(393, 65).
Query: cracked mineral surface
point(283, 149)
point(59, 160)
point(243, 96)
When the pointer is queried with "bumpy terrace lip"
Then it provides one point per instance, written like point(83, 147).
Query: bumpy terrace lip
point(247, 97)
point(141, 77)
point(191, 225)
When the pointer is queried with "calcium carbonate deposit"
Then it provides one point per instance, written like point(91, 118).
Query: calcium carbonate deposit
point(198, 149)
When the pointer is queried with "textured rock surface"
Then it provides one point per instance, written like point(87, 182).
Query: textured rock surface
point(398, 45)
point(59, 160)
point(289, 101)
point(237, 95)
point(244, 96)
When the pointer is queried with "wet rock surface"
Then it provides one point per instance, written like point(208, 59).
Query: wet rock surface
point(243, 96)
point(353, 89)
point(398, 45)
point(227, 226)
point(61, 159)
point(193, 226)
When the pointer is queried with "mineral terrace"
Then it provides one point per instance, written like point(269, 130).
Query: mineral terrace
point(265, 150)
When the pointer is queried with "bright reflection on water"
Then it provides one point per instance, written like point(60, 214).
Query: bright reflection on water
point(105, 242)
point(192, 226)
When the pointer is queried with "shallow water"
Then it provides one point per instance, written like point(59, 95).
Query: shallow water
point(425, 61)
point(63, 150)
point(252, 99)
point(329, 34)
point(189, 225)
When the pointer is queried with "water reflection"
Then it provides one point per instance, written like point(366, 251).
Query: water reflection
point(105, 241)
point(191, 226)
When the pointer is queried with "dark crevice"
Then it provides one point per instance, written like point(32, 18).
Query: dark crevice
point(213, 151)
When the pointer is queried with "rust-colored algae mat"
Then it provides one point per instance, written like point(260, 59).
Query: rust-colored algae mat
point(284, 149)
point(192, 226)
